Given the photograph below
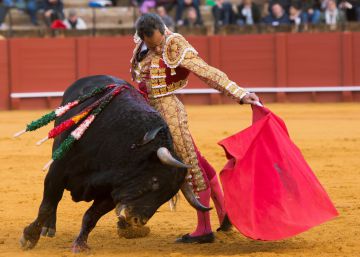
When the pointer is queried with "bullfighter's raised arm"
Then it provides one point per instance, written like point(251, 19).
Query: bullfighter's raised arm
point(178, 52)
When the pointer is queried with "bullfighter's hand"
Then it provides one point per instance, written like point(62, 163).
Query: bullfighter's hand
point(250, 98)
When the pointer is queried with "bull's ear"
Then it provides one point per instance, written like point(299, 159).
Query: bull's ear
point(150, 135)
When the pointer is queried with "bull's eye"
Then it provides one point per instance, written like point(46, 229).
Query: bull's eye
point(155, 184)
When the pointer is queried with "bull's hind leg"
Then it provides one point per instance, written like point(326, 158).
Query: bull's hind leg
point(91, 217)
point(53, 191)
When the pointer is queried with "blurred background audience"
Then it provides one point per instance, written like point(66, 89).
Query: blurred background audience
point(249, 13)
point(73, 21)
point(53, 11)
point(180, 13)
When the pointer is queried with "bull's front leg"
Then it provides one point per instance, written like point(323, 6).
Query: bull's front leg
point(98, 209)
point(49, 228)
point(53, 191)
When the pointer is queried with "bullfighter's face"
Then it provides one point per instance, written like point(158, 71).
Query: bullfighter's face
point(156, 42)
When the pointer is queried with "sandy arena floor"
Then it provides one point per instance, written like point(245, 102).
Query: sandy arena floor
point(328, 135)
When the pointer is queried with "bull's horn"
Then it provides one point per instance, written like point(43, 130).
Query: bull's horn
point(166, 158)
point(150, 135)
point(119, 209)
point(191, 198)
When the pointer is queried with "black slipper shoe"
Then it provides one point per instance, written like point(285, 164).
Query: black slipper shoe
point(225, 225)
point(187, 239)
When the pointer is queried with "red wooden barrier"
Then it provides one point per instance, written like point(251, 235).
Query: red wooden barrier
point(249, 60)
point(105, 56)
point(41, 65)
point(356, 58)
point(272, 60)
point(314, 59)
point(4, 77)
point(356, 62)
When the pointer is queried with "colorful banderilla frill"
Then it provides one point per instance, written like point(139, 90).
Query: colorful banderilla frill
point(47, 118)
point(94, 109)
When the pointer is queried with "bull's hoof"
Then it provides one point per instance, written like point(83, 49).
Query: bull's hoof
point(49, 232)
point(133, 232)
point(27, 244)
point(79, 247)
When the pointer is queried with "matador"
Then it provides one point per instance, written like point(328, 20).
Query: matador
point(161, 64)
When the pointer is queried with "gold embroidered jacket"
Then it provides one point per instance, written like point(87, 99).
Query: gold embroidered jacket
point(165, 74)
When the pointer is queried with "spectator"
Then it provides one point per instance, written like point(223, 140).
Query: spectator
point(277, 17)
point(223, 13)
point(310, 10)
point(146, 5)
point(285, 4)
point(53, 10)
point(192, 19)
point(181, 5)
point(295, 15)
point(100, 3)
point(3, 11)
point(28, 6)
point(168, 4)
point(351, 9)
point(32, 9)
point(168, 21)
point(74, 22)
point(58, 24)
point(248, 13)
point(332, 15)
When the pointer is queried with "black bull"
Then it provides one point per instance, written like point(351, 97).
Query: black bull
point(121, 162)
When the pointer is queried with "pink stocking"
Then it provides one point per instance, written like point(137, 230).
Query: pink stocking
point(216, 192)
point(218, 198)
point(203, 226)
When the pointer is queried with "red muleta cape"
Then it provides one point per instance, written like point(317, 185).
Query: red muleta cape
point(270, 191)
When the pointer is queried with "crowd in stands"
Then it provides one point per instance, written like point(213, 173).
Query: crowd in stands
point(176, 13)
point(247, 12)
point(53, 13)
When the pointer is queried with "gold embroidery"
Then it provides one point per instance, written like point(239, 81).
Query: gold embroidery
point(173, 112)
point(157, 82)
point(212, 76)
point(157, 72)
point(175, 49)
point(157, 91)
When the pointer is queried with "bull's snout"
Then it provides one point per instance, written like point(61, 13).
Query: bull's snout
point(124, 213)
point(137, 221)
point(132, 226)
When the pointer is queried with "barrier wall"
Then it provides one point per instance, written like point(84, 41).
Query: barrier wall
point(269, 60)
point(4, 77)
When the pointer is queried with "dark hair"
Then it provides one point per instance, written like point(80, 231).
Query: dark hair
point(148, 23)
